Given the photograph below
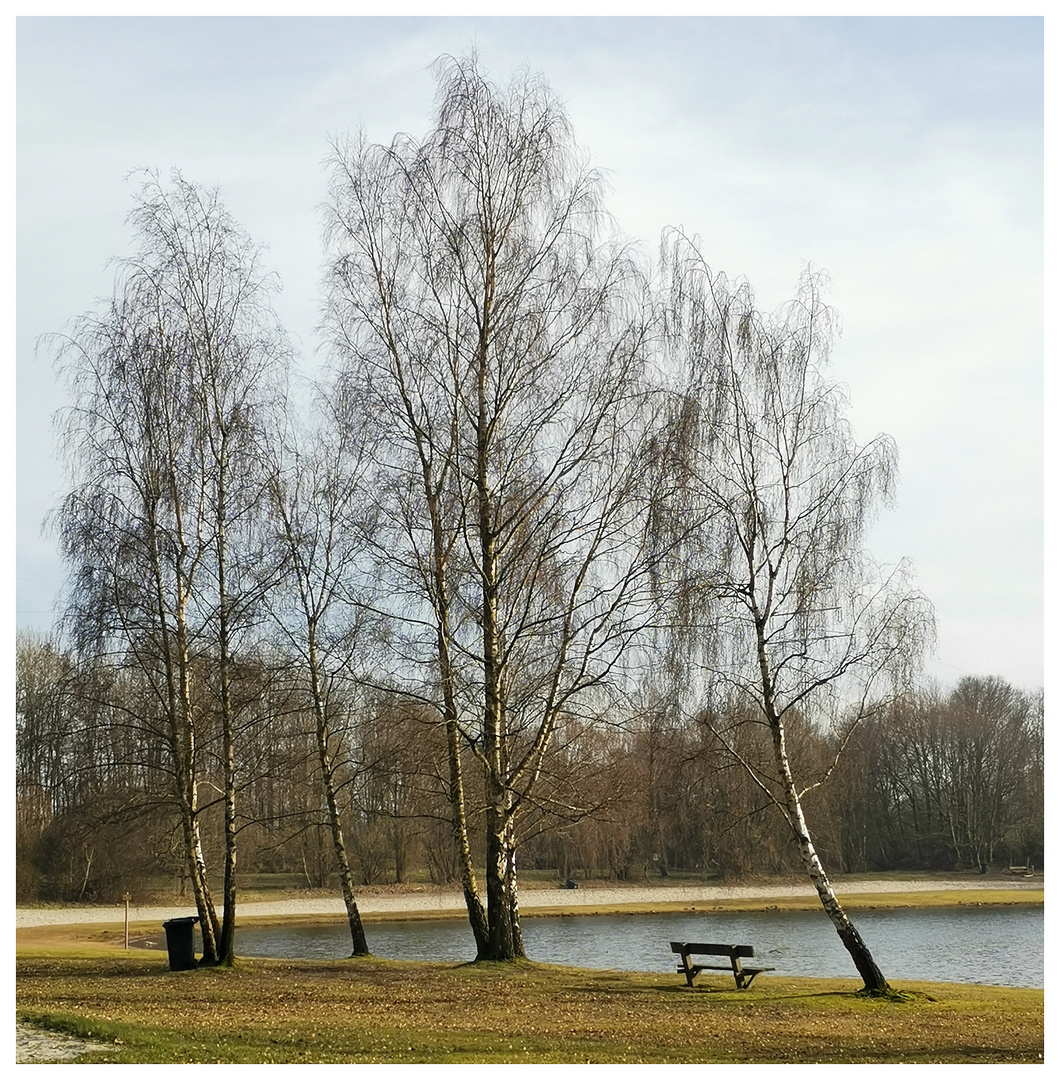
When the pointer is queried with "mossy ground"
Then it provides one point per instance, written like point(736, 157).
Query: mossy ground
point(373, 1010)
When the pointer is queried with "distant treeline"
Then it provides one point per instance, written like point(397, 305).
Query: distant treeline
point(935, 781)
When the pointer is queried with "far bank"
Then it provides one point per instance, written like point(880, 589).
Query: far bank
point(592, 899)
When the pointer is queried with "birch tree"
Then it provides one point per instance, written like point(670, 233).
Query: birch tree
point(172, 385)
point(478, 302)
point(318, 505)
point(769, 501)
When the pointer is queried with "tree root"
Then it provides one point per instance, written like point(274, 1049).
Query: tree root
point(888, 993)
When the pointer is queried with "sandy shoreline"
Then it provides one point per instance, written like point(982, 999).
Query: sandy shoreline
point(530, 900)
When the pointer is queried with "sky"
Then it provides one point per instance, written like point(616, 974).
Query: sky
point(904, 156)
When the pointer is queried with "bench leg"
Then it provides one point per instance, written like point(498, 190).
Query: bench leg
point(743, 977)
point(748, 977)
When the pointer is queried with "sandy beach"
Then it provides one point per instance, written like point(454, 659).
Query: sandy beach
point(531, 900)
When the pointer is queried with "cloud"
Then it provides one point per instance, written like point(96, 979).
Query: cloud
point(902, 155)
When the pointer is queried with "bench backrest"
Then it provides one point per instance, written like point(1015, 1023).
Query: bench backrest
point(706, 949)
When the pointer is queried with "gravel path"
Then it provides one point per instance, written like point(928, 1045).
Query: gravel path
point(530, 900)
point(34, 1046)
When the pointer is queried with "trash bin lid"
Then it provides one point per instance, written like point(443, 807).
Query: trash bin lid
point(183, 919)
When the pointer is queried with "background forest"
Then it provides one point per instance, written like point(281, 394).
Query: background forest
point(937, 781)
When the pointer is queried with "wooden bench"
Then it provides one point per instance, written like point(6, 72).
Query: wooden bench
point(735, 953)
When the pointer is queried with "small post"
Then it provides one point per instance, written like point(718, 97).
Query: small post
point(126, 920)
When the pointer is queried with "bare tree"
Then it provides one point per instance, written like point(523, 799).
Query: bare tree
point(172, 385)
point(319, 508)
point(955, 780)
point(478, 303)
point(769, 499)
point(988, 748)
point(43, 717)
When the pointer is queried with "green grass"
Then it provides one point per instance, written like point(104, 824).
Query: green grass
point(392, 1011)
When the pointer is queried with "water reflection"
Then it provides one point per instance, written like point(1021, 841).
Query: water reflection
point(996, 946)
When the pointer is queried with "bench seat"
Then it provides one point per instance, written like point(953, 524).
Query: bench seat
point(735, 953)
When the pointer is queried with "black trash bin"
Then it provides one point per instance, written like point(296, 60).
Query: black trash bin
point(180, 941)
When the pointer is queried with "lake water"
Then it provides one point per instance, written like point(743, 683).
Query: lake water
point(1001, 946)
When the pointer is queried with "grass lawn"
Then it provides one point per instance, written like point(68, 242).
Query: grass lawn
point(77, 981)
